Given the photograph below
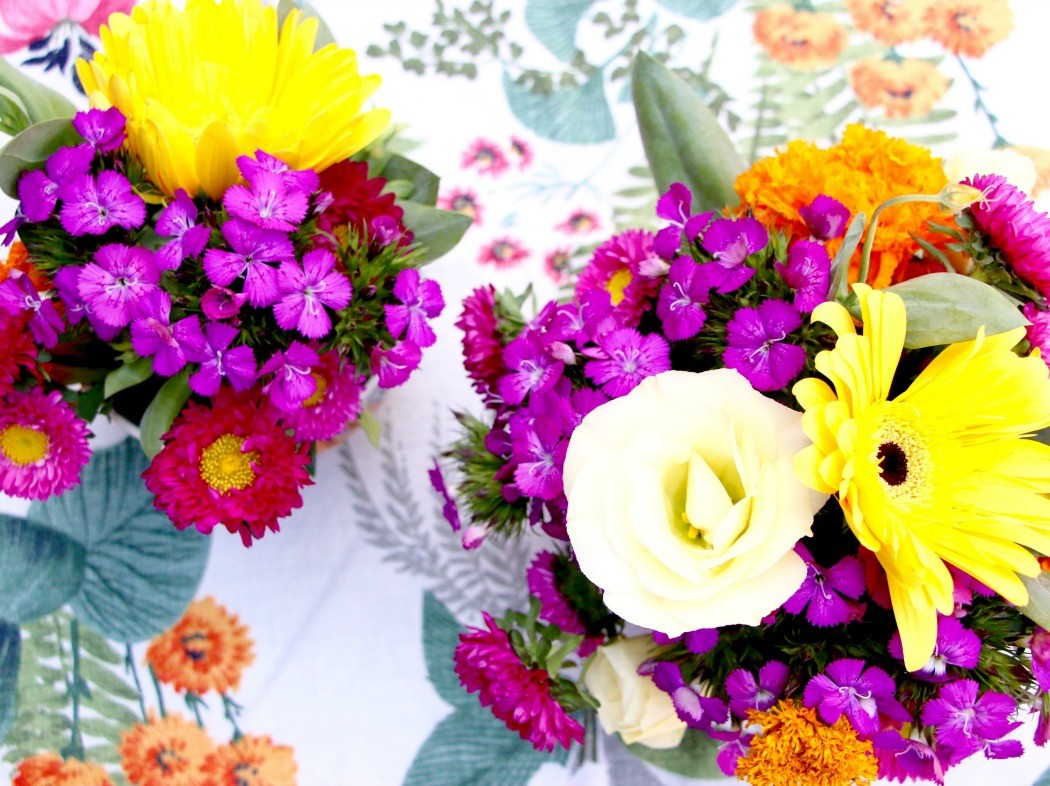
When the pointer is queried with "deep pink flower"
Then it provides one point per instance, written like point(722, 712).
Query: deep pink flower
point(119, 278)
point(1038, 333)
point(93, 206)
point(22, 23)
point(482, 347)
point(624, 358)
point(218, 360)
point(1015, 227)
point(19, 296)
point(43, 444)
point(554, 608)
point(616, 270)
point(519, 696)
point(579, 222)
point(336, 401)
point(103, 129)
point(230, 464)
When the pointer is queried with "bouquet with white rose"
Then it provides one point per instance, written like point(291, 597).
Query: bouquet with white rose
point(795, 524)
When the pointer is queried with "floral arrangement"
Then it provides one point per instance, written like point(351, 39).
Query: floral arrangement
point(782, 456)
point(225, 249)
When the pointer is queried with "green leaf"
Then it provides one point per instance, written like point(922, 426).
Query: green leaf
point(694, 757)
point(424, 183)
point(370, 424)
point(1038, 608)
point(40, 569)
point(575, 115)
point(10, 651)
point(682, 138)
point(1044, 779)
point(554, 23)
point(39, 103)
point(840, 264)
point(31, 148)
point(944, 308)
point(140, 573)
point(698, 9)
point(440, 636)
point(127, 376)
point(436, 231)
point(162, 411)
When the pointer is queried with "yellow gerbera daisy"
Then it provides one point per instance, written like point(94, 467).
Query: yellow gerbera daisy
point(940, 474)
point(203, 85)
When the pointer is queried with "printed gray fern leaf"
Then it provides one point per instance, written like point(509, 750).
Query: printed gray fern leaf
point(401, 516)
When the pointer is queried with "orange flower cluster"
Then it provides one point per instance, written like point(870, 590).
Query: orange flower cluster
point(890, 22)
point(208, 649)
point(49, 769)
point(963, 27)
point(803, 40)
point(251, 761)
point(908, 88)
point(866, 169)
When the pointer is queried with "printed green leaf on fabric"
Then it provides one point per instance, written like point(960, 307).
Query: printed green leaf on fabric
point(695, 757)
point(683, 139)
point(31, 148)
point(470, 747)
point(10, 652)
point(554, 23)
point(698, 9)
point(576, 115)
point(944, 308)
point(436, 231)
point(40, 569)
point(1043, 780)
point(140, 573)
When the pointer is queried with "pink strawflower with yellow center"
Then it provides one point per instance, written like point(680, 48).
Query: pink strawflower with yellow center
point(519, 696)
point(335, 402)
point(618, 269)
point(229, 465)
point(43, 444)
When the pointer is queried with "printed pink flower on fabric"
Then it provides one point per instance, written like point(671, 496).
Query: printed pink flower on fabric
point(486, 157)
point(43, 444)
point(503, 252)
point(486, 663)
point(22, 23)
point(230, 464)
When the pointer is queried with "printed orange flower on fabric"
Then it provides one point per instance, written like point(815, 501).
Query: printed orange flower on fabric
point(168, 751)
point(208, 649)
point(49, 769)
point(863, 171)
point(803, 40)
point(251, 761)
point(904, 89)
point(969, 27)
point(889, 22)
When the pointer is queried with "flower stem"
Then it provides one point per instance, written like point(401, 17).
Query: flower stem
point(159, 692)
point(980, 106)
point(129, 665)
point(193, 701)
point(75, 749)
point(232, 709)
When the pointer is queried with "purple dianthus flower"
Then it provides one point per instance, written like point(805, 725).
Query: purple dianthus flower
point(825, 217)
point(682, 299)
point(93, 206)
point(271, 200)
point(306, 290)
point(449, 509)
point(624, 358)
point(676, 206)
point(757, 347)
point(695, 710)
point(394, 366)
point(530, 368)
point(904, 759)
point(847, 688)
point(420, 300)
point(826, 594)
point(38, 189)
point(17, 295)
point(102, 129)
point(808, 272)
point(956, 646)
point(748, 693)
point(179, 221)
point(698, 642)
point(153, 335)
point(305, 180)
point(218, 360)
point(293, 380)
point(967, 724)
point(254, 251)
point(119, 278)
point(539, 450)
point(730, 241)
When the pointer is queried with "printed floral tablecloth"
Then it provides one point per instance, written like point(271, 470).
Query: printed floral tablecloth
point(328, 646)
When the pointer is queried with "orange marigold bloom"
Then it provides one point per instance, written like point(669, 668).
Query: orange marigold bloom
point(803, 40)
point(863, 171)
point(796, 747)
point(169, 751)
point(18, 259)
point(908, 88)
point(48, 769)
point(251, 761)
point(1041, 158)
point(208, 649)
point(969, 27)
point(890, 22)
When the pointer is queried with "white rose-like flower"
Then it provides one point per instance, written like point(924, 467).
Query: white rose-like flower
point(630, 704)
point(684, 505)
point(1018, 170)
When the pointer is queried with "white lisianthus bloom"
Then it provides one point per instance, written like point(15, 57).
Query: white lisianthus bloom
point(684, 505)
point(1018, 170)
point(630, 704)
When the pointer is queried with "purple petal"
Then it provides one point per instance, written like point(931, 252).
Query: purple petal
point(825, 217)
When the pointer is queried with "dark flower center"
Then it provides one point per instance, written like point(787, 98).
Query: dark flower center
point(894, 463)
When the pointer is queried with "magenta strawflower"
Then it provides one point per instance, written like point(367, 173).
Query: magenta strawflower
point(114, 284)
point(1013, 226)
point(421, 300)
point(94, 206)
point(336, 401)
point(486, 663)
point(306, 291)
point(43, 444)
point(229, 464)
point(757, 345)
point(615, 271)
point(482, 346)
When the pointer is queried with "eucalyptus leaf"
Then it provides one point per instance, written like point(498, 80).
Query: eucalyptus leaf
point(436, 231)
point(162, 411)
point(423, 182)
point(694, 757)
point(1038, 608)
point(127, 376)
point(31, 148)
point(944, 308)
point(37, 102)
point(683, 140)
point(40, 569)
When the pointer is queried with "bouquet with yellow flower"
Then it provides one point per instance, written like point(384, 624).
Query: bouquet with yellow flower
point(785, 452)
point(225, 248)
